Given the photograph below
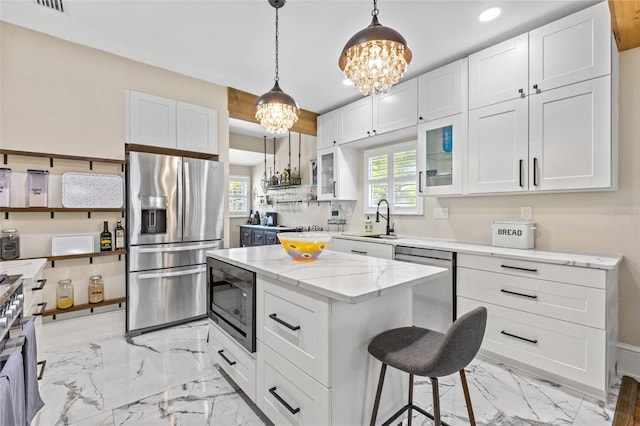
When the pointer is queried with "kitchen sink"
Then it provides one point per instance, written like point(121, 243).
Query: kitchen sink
point(384, 237)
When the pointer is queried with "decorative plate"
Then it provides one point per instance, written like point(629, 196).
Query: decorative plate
point(92, 190)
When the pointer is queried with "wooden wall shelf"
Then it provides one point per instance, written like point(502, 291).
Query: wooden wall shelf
point(7, 152)
point(89, 256)
point(53, 210)
point(91, 306)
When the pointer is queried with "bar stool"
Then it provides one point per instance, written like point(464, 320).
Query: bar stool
point(423, 352)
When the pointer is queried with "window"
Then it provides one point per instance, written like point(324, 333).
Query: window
point(390, 173)
point(239, 196)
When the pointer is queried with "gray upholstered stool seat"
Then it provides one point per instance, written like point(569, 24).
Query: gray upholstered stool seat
point(423, 352)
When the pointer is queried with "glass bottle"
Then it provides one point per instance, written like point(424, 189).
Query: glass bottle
point(96, 289)
point(9, 244)
point(119, 231)
point(64, 294)
point(105, 238)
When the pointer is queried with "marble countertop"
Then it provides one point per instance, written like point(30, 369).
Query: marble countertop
point(341, 276)
point(585, 260)
point(28, 268)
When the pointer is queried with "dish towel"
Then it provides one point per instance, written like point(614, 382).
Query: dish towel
point(12, 391)
point(33, 401)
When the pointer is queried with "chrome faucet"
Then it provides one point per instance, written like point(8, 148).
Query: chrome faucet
point(387, 217)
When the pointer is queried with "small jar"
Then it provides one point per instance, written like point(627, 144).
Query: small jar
point(96, 289)
point(9, 244)
point(64, 294)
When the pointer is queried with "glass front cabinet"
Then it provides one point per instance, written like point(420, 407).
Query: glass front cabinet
point(440, 146)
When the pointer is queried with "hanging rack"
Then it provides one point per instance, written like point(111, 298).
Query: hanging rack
point(285, 179)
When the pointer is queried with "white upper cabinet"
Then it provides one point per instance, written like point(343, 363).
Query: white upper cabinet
point(151, 120)
point(337, 168)
point(442, 92)
point(328, 130)
point(570, 137)
point(197, 128)
point(498, 147)
point(499, 73)
point(441, 144)
point(377, 114)
point(166, 123)
point(571, 49)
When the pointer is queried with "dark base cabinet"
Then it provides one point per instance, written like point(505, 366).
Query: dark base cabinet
point(258, 235)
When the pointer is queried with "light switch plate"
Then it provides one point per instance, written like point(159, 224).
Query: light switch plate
point(441, 213)
point(525, 212)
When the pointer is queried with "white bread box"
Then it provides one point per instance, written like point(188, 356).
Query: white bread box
point(513, 233)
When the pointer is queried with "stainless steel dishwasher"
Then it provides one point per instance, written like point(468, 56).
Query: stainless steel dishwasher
point(434, 303)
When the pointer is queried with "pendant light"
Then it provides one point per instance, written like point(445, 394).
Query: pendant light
point(375, 58)
point(276, 110)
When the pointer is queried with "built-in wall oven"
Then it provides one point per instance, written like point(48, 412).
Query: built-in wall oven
point(434, 304)
point(232, 301)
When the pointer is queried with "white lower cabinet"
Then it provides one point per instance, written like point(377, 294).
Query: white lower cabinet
point(558, 321)
point(364, 248)
point(287, 395)
point(239, 364)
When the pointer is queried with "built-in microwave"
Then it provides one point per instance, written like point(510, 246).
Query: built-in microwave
point(231, 301)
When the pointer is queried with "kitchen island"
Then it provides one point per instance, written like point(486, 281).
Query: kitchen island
point(314, 321)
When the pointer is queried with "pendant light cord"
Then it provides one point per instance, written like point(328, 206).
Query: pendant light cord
point(374, 12)
point(277, 34)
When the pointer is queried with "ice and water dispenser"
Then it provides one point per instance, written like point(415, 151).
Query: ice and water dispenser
point(154, 214)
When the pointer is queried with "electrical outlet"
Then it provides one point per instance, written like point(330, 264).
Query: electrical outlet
point(525, 212)
point(441, 213)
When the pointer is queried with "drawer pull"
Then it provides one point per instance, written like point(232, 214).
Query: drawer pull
point(534, 341)
point(43, 364)
point(515, 293)
point(41, 286)
point(519, 268)
point(286, 324)
point(292, 410)
point(225, 358)
point(42, 306)
point(358, 251)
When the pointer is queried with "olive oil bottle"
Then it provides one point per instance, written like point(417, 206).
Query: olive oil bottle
point(105, 238)
point(119, 242)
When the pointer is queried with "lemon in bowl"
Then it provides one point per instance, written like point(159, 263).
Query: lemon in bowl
point(304, 246)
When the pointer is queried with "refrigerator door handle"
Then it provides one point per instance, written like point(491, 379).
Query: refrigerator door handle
point(180, 196)
point(186, 198)
point(172, 274)
point(173, 249)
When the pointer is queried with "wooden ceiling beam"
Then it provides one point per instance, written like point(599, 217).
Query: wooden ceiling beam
point(241, 104)
point(625, 23)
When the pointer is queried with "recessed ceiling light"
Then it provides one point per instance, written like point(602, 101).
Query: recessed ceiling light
point(489, 14)
point(347, 82)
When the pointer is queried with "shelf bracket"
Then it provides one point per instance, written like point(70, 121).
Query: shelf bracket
point(91, 310)
point(53, 215)
point(88, 215)
point(122, 167)
point(6, 158)
point(53, 263)
point(54, 317)
point(90, 168)
point(119, 257)
point(51, 162)
point(6, 215)
point(91, 261)
point(122, 214)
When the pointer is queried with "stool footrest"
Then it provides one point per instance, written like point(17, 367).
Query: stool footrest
point(413, 407)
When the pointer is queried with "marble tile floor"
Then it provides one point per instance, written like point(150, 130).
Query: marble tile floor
point(167, 378)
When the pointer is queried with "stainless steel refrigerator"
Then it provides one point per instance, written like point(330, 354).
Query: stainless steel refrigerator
point(174, 214)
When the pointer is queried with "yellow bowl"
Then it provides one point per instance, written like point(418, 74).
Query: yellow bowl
point(304, 246)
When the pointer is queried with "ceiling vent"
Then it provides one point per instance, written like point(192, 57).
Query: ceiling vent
point(51, 4)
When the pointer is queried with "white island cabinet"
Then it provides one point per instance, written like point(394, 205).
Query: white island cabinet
point(321, 373)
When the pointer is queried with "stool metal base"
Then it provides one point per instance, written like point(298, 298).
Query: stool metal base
point(411, 407)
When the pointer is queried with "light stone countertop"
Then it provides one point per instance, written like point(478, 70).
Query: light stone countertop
point(28, 268)
point(341, 276)
point(584, 260)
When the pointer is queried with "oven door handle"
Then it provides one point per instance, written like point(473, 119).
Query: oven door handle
point(172, 274)
point(172, 249)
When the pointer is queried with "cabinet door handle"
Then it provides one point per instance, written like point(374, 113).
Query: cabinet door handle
point(42, 306)
point(534, 341)
point(41, 286)
point(420, 118)
point(292, 410)
point(535, 87)
point(286, 324)
point(535, 171)
point(334, 188)
point(358, 251)
point(521, 184)
point(521, 91)
point(519, 268)
point(515, 293)
point(420, 182)
point(43, 364)
point(220, 352)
